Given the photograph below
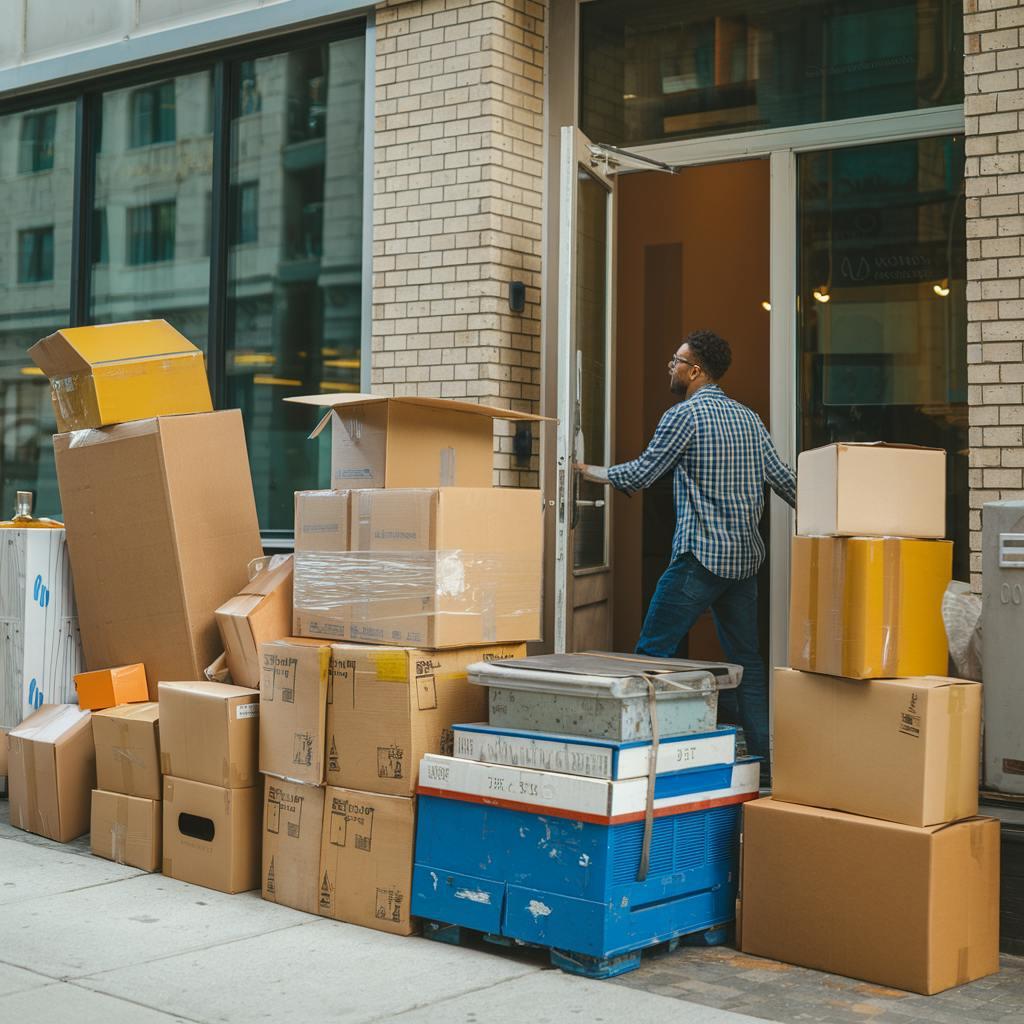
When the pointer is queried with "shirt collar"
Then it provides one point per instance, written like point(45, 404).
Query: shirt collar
point(707, 391)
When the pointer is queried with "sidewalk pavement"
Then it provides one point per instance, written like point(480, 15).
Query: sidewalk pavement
point(84, 939)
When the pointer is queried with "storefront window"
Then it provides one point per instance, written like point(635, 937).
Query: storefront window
point(882, 304)
point(679, 69)
point(149, 244)
point(37, 157)
point(295, 263)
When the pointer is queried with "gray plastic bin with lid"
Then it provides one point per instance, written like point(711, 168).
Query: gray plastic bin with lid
point(604, 695)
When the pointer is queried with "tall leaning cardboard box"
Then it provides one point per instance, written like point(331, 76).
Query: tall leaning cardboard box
point(161, 527)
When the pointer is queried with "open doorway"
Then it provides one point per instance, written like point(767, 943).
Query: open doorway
point(693, 252)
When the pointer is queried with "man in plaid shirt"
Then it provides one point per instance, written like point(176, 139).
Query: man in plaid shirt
point(721, 457)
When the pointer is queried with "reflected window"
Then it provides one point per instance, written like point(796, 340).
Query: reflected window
point(153, 114)
point(295, 269)
point(151, 233)
point(882, 304)
point(35, 255)
point(669, 70)
point(100, 238)
point(35, 228)
point(35, 152)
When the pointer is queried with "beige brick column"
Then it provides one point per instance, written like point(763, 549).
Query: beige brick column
point(994, 114)
point(457, 204)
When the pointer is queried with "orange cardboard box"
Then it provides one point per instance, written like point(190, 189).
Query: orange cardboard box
point(112, 687)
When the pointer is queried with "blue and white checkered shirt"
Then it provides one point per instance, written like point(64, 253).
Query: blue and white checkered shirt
point(722, 457)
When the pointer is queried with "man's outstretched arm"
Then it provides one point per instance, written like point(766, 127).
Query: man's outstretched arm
point(779, 477)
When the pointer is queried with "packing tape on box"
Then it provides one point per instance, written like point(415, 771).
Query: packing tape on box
point(447, 468)
point(954, 747)
point(127, 759)
point(118, 842)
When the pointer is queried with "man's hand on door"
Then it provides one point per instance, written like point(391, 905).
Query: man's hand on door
point(598, 474)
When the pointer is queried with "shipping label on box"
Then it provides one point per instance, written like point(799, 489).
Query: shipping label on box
point(40, 647)
point(292, 826)
point(841, 743)
point(868, 607)
point(366, 857)
point(293, 697)
point(387, 707)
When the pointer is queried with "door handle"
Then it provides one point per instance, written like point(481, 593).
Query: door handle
point(590, 504)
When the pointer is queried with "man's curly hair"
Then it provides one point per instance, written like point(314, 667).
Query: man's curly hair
point(712, 352)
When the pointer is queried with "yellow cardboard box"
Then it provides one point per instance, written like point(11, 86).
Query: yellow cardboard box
point(868, 607)
point(115, 373)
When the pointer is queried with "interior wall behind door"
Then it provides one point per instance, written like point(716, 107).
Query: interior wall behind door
point(693, 252)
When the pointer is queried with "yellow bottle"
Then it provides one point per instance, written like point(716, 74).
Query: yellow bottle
point(23, 518)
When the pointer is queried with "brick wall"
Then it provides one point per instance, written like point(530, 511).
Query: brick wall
point(457, 205)
point(994, 114)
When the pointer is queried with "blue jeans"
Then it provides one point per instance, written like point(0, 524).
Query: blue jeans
point(685, 591)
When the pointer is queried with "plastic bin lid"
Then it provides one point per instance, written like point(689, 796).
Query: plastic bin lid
point(608, 675)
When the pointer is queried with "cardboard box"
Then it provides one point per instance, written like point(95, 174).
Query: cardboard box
point(293, 816)
point(322, 526)
point(112, 687)
point(127, 829)
point(209, 732)
point(865, 490)
point(388, 707)
point(448, 567)
point(901, 749)
point(127, 743)
point(3, 753)
point(293, 706)
point(40, 647)
point(261, 612)
point(161, 530)
point(212, 835)
point(868, 608)
point(366, 857)
point(893, 905)
point(52, 772)
point(409, 441)
point(321, 520)
point(114, 373)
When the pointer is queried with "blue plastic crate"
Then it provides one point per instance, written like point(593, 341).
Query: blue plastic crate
point(571, 885)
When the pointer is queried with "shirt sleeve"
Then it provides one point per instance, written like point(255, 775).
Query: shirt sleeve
point(671, 439)
point(779, 477)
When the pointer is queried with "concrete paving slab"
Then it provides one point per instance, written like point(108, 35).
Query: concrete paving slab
point(29, 871)
point(129, 922)
point(16, 979)
point(324, 971)
point(79, 846)
point(552, 997)
point(66, 1002)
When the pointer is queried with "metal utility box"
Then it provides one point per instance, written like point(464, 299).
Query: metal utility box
point(1002, 645)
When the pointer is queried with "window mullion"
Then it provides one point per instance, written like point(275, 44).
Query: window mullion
point(84, 199)
point(219, 212)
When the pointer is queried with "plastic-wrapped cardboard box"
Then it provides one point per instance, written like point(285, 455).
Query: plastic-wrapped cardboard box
point(293, 817)
point(387, 707)
point(261, 612)
point(40, 647)
point(212, 835)
point(868, 608)
point(872, 490)
point(409, 441)
point(905, 750)
point(433, 568)
point(321, 531)
point(115, 373)
point(910, 908)
point(293, 705)
point(127, 743)
point(52, 772)
point(209, 732)
point(161, 528)
point(366, 858)
point(126, 829)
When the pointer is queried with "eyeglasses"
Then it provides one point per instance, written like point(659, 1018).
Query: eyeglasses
point(676, 360)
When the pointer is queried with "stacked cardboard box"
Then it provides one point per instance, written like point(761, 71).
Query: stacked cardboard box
point(398, 586)
point(869, 859)
point(209, 738)
point(127, 813)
